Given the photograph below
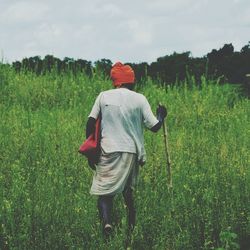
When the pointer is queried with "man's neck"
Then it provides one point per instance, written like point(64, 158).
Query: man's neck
point(128, 86)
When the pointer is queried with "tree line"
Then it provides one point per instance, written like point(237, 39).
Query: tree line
point(225, 63)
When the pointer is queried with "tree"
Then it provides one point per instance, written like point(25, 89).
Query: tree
point(103, 65)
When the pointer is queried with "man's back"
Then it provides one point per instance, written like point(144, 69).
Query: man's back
point(123, 114)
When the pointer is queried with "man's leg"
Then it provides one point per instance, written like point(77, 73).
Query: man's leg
point(129, 201)
point(104, 204)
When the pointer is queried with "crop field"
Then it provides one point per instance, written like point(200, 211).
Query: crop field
point(44, 181)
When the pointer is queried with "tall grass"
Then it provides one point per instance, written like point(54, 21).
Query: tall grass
point(44, 182)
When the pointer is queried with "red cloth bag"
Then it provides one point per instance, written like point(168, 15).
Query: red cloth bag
point(91, 146)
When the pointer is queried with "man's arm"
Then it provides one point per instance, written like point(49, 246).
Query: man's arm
point(96, 109)
point(90, 129)
point(90, 126)
point(161, 114)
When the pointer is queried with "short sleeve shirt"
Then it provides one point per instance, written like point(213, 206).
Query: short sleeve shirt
point(124, 113)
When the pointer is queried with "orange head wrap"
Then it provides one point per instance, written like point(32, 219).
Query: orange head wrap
point(121, 73)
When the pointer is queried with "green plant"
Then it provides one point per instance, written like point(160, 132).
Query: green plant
point(228, 240)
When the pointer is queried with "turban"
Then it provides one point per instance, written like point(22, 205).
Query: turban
point(121, 73)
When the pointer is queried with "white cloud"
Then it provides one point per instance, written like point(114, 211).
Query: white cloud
point(24, 11)
point(140, 30)
point(110, 10)
point(132, 31)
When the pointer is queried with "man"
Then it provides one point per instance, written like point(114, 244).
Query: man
point(123, 114)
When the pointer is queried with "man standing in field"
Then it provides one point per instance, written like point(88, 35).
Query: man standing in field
point(123, 112)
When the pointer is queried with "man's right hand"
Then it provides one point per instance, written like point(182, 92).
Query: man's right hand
point(161, 112)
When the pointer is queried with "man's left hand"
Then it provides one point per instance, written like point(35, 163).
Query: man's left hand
point(91, 164)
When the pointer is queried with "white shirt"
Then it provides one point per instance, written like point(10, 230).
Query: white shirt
point(124, 112)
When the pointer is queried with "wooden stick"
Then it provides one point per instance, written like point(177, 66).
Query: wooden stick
point(169, 169)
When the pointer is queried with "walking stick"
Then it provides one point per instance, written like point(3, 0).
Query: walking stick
point(169, 169)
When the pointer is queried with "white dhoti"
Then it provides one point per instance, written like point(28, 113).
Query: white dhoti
point(115, 172)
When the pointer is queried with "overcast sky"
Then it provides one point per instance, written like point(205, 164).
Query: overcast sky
point(129, 31)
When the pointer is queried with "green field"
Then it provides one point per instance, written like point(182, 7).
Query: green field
point(44, 182)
